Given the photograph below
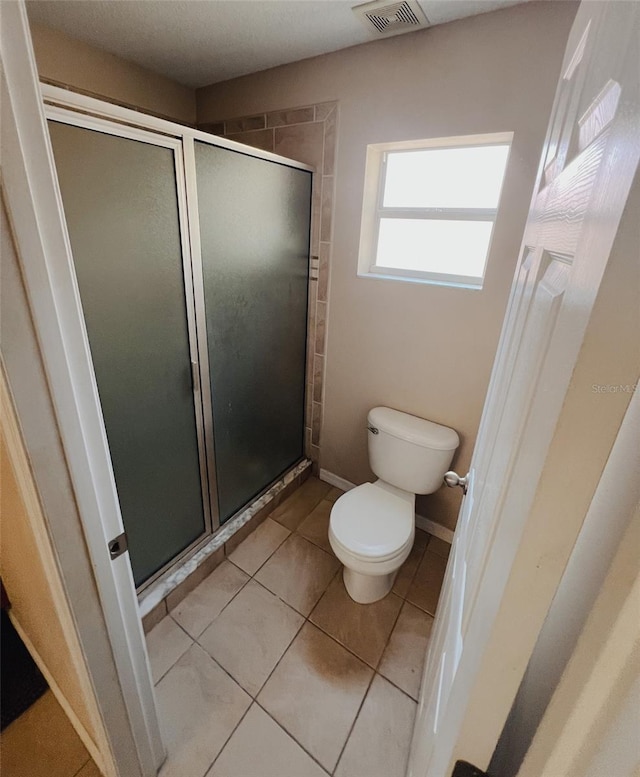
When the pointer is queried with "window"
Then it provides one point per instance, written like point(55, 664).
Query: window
point(430, 207)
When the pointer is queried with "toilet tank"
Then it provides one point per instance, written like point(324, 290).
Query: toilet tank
point(408, 452)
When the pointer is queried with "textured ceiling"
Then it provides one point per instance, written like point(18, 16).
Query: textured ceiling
point(200, 42)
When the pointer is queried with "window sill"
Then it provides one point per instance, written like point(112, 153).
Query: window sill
point(424, 279)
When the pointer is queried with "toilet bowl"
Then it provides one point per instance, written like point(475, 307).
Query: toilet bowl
point(372, 527)
point(371, 531)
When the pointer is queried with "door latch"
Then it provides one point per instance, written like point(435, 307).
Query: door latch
point(118, 545)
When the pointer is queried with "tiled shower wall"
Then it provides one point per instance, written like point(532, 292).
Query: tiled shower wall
point(308, 135)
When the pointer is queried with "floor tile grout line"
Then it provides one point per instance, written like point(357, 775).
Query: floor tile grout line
point(346, 647)
point(254, 700)
point(278, 662)
point(396, 686)
point(250, 576)
point(196, 642)
point(286, 650)
point(306, 619)
point(219, 665)
point(166, 672)
point(254, 697)
point(228, 739)
point(195, 639)
point(355, 720)
point(306, 515)
point(286, 539)
point(89, 760)
point(386, 644)
point(375, 672)
point(275, 520)
point(393, 628)
point(237, 593)
point(415, 572)
point(323, 591)
point(422, 609)
point(415, 604)
point(291, 736)
point(280, 544)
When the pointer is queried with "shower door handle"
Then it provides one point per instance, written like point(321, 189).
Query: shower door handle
point(195, 377)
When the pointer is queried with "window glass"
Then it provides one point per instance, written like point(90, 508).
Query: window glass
point(427, 245)
point(445, 177)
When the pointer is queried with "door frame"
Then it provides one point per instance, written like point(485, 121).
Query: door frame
point(51, 378)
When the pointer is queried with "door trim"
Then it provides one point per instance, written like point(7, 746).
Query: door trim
point(115, 650)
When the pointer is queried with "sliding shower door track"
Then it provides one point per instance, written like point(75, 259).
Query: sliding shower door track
point(167, 580)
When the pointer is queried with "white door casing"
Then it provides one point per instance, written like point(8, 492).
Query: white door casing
point(508, 553)
point(49, 371)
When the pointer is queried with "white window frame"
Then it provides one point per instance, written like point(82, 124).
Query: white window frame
point(373, 210)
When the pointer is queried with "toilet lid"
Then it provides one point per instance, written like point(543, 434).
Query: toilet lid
point(372, 522)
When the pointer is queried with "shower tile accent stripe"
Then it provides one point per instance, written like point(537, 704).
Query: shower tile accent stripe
point(306, 134)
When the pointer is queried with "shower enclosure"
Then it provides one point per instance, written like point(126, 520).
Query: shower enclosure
point(192, 261)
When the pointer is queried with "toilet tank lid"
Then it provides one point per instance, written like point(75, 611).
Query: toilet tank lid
point(416, 430)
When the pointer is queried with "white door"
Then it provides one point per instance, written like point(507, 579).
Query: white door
point(486, 623)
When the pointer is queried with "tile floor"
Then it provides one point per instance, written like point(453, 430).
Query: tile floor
point(269, 669)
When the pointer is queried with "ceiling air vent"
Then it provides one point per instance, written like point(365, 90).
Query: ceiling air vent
point(384, 18)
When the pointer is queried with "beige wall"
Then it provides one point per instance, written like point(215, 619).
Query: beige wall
point(426, 350)
point(591, 725)
point(33, 606)
point(69, 62)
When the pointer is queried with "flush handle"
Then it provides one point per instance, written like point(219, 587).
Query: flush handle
point(452, 479)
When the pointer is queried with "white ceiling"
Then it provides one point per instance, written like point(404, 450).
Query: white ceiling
point(200, 42)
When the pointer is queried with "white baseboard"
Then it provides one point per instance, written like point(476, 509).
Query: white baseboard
point(426, 524)
point(334, 480)
point(434, 529)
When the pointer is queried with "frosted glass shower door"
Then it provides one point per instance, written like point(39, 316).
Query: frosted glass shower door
point(121, 206)
point(254, 217)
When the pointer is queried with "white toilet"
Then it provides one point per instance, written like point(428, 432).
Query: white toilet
point(372, 527)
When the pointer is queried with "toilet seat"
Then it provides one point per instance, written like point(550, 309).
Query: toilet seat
point(373, 524)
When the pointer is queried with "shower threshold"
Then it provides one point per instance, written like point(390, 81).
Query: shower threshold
point(190, 569)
